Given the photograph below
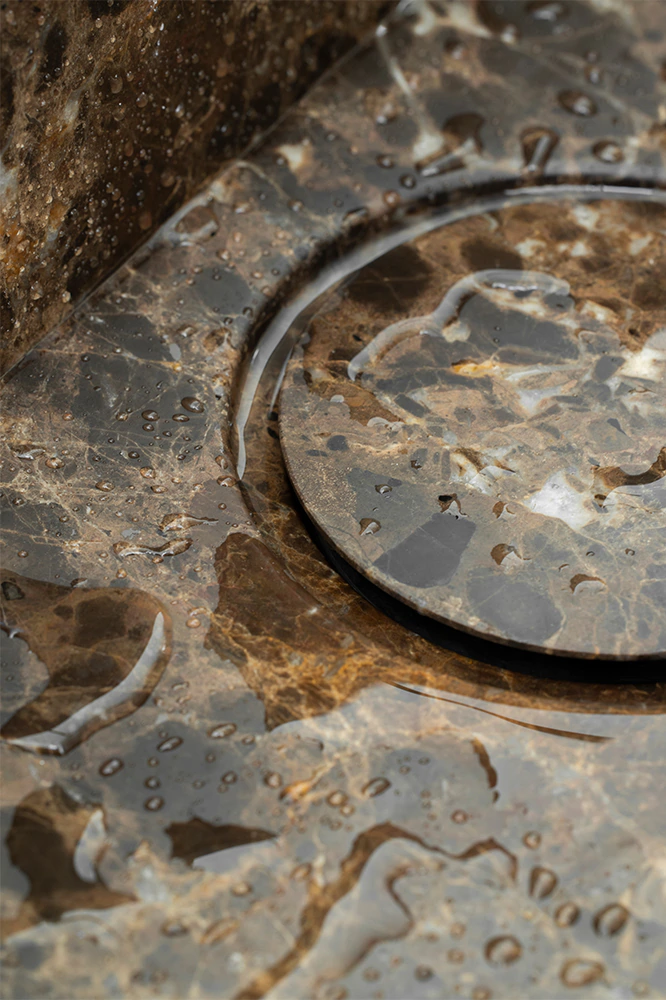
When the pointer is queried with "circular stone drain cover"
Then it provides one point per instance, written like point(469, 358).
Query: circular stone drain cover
point(477, 423)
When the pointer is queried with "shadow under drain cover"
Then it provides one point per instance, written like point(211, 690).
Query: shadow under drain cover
point(477, 423)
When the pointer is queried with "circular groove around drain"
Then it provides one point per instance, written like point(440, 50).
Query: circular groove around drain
point(477, 424)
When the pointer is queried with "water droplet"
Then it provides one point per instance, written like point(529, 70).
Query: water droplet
point(181, 521)
point(152, 782)
point(532, 839)
point(104, 485)
point(192, 404)
point(230, 778)
point(385, 161)
point(455, 48)
point(356, 215)
point(578, 103)
point(111, 766)
point(174, 548)
point(301, 872)
point(336, 798)
point(408, 181)
point(610, 920)
point(27, 452)
point(147, 472)
point(608, 152)
point(567, 914)
point(500, 552)
point(173, 928)
point(593, 74)
point(459, 816)
point(581, 972)
point(582, 583)
point(538, 145)
point(423, 973)
point(180, 418)
point(153, 803)
point(150, 415)
point(169, 744)
point(546, 10)
point(503, 950)
point(376, 786)
point(54, 463)
point(542, 882)
point(369, 526)
point(510, 34)
point(241, 889)
point(383, 489)
point(222, 731)
point(273, 779)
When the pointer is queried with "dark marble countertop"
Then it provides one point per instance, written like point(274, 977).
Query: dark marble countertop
point(226, 773)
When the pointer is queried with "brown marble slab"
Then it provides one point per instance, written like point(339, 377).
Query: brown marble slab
point(312, 800)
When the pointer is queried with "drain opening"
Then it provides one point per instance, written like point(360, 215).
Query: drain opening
point(476, 426)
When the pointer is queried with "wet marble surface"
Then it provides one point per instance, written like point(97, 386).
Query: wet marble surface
point(312, 800)
point(477, 423)
point(114, 113)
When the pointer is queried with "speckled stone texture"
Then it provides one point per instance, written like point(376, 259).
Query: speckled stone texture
point(477, 422)
point(115, 111)
point(312, 800)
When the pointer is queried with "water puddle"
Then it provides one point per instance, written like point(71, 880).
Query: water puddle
point(55, 842)
point(103, 651)
point(204, 845)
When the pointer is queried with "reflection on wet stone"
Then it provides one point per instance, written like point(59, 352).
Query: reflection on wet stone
point(55, 842)
point(103, 651)
point(202, 844)
point(302, 796)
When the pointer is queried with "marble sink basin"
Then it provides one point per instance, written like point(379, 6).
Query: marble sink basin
point(334, 537)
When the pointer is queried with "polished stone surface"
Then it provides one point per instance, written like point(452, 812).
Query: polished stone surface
point(312, 801)
point(114, 113)
point(477, 422)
